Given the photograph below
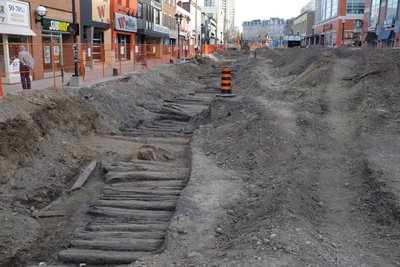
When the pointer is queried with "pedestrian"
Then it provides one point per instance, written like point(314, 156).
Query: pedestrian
point(26, 64)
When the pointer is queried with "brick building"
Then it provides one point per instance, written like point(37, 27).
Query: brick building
point(338, 22)
point(382, 24)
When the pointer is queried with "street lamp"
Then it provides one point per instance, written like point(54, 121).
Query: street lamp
point(178, 18)
point(343, 22)
point(41, 11)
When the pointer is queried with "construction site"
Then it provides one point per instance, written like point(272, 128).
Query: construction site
point(299, 168)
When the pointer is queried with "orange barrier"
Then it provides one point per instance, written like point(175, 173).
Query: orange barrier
point(226, 82)
point(54, 62)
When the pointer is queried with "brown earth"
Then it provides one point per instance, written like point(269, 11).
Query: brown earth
point(300, 169)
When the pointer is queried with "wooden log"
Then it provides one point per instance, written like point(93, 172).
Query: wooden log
point(127, 227)
point(139, 191)
point(161, 183)
point(143, 167)
point(99, 256)
point(82, 178)
point(138, 197)
point(135, 245)
point(122, 235)
point(139, 205)
point(141, 175)
point(48, 213)
point(142, 215)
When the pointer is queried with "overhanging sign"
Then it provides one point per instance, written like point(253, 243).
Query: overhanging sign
point(125, 23)
point(57, 25)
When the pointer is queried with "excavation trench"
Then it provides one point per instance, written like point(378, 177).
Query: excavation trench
point(123, 209)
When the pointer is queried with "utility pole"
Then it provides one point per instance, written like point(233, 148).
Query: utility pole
point(76, 79)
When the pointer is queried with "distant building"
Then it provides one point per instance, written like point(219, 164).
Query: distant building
point(263, 31)
point(381, 24)
point(310, 6)
point(303, 26)
point(337, 22)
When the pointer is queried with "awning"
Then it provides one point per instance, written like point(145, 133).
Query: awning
point(371, 36)
point(386, 35)
point(15, 30)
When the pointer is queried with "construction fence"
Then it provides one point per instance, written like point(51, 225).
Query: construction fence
point(54, 62)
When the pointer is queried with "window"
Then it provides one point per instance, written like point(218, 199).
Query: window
point(157, 16)
point(355, 6)
point(391, 10)
point(140, 10)
point(374, 18)
point(334, 8)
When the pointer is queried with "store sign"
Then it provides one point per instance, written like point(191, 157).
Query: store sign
point(101, 11)
point(57, 25)
point(159, 28)
point(14, 13)
point(125, 23)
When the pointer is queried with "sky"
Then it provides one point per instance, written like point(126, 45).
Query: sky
point(247, 10)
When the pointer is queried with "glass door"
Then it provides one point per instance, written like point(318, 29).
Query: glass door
point(54, 57)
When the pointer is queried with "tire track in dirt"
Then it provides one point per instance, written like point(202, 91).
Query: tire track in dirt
point(341, 185)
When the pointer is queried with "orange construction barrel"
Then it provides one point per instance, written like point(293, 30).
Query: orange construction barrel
point(226, 82)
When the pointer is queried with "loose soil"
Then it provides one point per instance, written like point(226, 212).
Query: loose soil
point(300, 169)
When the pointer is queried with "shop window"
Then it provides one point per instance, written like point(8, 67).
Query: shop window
point(157, 16)
point(391, 11)
point(14, 43)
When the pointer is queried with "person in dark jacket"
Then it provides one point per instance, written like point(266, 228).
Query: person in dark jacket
point(26, 64)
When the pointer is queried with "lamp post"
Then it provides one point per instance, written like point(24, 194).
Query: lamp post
point(41, 11)
point(76, 79)
point(178, 18)
point(76, 73)
point(343, 22)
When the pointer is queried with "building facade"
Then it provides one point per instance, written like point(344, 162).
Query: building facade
point(263, 31)
point(15, 30)
point(95, 30)
point(150, 28)
point(303, 26)
point(168, 21)
point(382, 24)
point(52, 47)
point(337, 22)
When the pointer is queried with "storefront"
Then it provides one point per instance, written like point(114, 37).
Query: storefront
point(124, 36)
point(15, 30)
point(95, 30)
point(57, 34)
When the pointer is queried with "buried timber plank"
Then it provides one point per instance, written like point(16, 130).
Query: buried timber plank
point(99, 256)
point(134, 245)
point(142, 167)
point(139, 191)
point(161, 183)
point(141, 215)
point(122, 235)
point(140, 205)
point(140, 175)
point(127, 227)
point(84, 176)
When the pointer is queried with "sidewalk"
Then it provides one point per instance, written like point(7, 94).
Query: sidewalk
point(90, 75)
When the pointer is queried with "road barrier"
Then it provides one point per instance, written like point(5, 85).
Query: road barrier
point(226, 82)
point(54, 62)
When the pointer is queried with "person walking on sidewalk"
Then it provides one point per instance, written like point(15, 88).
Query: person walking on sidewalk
point(26, 64)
